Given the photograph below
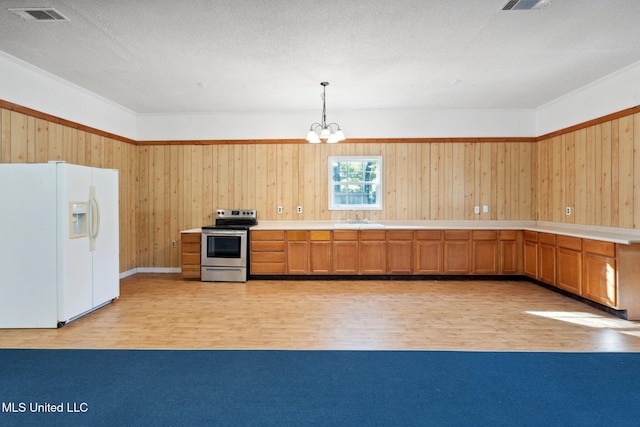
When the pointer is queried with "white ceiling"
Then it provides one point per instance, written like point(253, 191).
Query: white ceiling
point(271, 55)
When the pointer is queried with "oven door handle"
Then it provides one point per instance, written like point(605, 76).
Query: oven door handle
point(219, 232)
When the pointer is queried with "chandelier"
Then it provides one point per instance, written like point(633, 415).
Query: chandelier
point(319, 131)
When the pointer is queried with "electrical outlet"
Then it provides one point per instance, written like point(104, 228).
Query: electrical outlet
point(568, 210)
point(299, 209)
point(279, 209)
point(173, 244)
point(485, 208)
point(476, 210)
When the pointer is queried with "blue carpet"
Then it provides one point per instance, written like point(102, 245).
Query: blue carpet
point(300, 388)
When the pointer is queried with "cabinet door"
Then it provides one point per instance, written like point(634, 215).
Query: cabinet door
point(345, 257)
point(320, 257)
point(547, 255)
point(485, 252)
point(531, 259)
point(429, 257)
point(457, 252)
point(508, 257)
point(373, 256)
point(344, 252)
point(547, 258)
point(509, 244)
point(401, 257)
point(400, 251)
point(429, 252)
point(297, 253)
point(570, 270)
point(599, 272)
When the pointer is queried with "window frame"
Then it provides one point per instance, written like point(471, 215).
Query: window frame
point(333, 206)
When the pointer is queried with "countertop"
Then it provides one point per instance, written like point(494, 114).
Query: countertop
point(608, 234)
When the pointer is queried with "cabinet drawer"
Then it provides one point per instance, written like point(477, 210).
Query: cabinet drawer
point(400, 234)
point(457, 234)
point(267, 246)
point(508, 235)
point(428, 235)
point(267, 257)
point(296, 236)
point(191, 238)
point(373, 235)
point(547, 239)
point(191, 259)
point(485, 235)
point(598, 247)
point(345, 235)
point(320, 235)
point(530, 236)
point(574, 243)
point(191, 247)
point(267, 235)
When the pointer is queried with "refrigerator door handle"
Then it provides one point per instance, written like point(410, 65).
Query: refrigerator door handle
point(94, 219)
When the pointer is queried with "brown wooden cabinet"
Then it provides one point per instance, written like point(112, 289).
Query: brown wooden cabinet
point(485, 251)
point(373, 252)
point(599, 272)
point(569, 264)
point(530, 253)
point(320, 252)
point(429, 252)
point(400, 251)
point(297, 252)
point(510, 242)
point(547, 258)
point(344, 252)
point(190, 254)
point(267, 252)
point(457, 251)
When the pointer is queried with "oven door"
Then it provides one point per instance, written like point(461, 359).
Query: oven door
point(224, 248)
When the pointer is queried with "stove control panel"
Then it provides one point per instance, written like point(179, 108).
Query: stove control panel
point(236, 213)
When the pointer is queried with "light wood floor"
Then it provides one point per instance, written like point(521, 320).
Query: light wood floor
point(162, 311)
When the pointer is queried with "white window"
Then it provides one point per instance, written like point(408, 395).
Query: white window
point(355, 183)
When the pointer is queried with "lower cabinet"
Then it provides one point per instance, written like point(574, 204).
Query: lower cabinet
point(485, 251)
point(599, 272)
point(297, 252)
point(569, 264)
point(320, 252)
point(509, 260)
point(267, 252)
point(190, 255)
point(400, 251)
point(457, 252)
point(344, 250)
point(373, 252)
point(530, 254)
point(429, 252)
point(547, 258)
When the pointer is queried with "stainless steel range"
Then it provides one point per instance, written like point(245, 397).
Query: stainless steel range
point(225, 246)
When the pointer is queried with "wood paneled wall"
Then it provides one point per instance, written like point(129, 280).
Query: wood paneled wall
point(180, 186)
point(27, 139)
point(595, 171)
point(166, 188)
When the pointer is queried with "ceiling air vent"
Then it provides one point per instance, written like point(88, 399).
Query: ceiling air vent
point(39, 14)
point(525, 4)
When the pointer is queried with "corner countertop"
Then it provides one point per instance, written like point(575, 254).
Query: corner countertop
point(608, 234)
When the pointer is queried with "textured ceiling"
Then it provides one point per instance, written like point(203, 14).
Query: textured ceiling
point(271, 55)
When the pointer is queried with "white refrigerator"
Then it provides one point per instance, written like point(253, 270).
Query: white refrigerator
point(59, 242)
